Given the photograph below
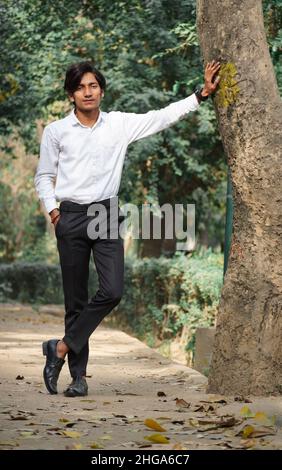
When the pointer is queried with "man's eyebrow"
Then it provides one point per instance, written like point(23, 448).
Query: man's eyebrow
point(90, 83)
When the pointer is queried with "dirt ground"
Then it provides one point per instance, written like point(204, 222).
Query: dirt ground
point(129, 383)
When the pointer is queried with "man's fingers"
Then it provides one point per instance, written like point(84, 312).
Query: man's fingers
point(212, 65)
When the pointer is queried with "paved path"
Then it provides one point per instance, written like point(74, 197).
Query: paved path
point(128, 384)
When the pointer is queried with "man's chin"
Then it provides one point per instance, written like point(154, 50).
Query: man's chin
point(88, 108)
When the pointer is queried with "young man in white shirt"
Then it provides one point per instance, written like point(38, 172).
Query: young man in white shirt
point(84, 155)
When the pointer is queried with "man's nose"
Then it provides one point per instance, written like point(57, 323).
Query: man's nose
point(88, 92)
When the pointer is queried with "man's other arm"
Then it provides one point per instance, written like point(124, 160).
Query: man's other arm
point(47, 169)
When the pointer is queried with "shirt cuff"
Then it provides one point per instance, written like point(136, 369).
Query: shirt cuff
point(50, 204)
point(195, 101)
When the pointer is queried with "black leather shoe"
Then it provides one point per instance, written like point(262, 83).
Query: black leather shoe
point(78, 388)
point(53, 365)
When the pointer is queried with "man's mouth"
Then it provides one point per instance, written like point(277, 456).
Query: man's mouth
point(88, 101)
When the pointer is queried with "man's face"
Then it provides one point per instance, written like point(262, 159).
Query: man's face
point(88, 95)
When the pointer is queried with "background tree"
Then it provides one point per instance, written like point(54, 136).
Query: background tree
point(248, 344)
point(146, 67)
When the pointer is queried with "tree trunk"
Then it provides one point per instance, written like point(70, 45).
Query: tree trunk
point(247, 356)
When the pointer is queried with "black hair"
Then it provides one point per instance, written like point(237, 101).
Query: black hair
point(76, 71)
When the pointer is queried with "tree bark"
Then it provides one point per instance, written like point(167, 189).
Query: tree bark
point(247, 356)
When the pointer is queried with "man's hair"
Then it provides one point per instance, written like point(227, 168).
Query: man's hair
point(76, 71)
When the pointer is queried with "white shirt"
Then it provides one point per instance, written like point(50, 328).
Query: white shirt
point(85, 163)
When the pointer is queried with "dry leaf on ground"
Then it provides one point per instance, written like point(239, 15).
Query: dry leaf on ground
point(158, 438)
point(151, 423)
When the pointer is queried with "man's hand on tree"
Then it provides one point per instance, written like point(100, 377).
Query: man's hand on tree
point(210, 71)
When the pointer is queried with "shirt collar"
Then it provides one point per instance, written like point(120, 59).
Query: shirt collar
point(75, 121)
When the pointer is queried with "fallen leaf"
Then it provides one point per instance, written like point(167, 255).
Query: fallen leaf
point(248, 443)
point(180, 403)
point(193, 422)
point(19, 417)
point(26, 412)
point(230, 445)
point(252, 431)
point(215, 400)
point(242, 398)
point(141, 357)
point(129, 443)
point(263, 419)
point(106, 437)
point(27, 433)
point(63, 420)
point(96, 445)
point(247, 431)
point(263, 431)
point(223, 421)
point(151, 423)
point(158, 438)
point(74, 447)
point(214, 436)
point(179, 446)
point(9, 443)
point(204, 408)
point(72, 434)
point(161, 394)
point(245, 412)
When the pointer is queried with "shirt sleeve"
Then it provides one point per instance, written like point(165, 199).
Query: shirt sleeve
point(47, 169)
point(138, 126)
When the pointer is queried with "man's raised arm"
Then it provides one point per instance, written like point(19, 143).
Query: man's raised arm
point(138, 126)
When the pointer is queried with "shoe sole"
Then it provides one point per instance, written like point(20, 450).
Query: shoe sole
point(75, 395)
point(45, 353)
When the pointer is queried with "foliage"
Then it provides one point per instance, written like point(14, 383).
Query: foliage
point(175, 292)
point(161, 295)
point(146, 68)
point(272, 10)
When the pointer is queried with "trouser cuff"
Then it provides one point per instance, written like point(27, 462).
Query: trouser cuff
point(71, 345)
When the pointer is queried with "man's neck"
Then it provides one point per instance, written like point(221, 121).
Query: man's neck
point(87, 119)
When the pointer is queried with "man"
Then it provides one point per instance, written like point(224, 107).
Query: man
point(84, 153)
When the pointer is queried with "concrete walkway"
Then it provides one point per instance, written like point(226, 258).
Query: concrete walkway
point(128, 384)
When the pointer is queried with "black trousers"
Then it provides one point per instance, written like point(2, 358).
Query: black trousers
point(82, 316)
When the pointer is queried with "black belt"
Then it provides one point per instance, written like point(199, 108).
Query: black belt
point(69, 206)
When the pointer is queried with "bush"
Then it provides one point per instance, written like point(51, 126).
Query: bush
point(162, 296)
